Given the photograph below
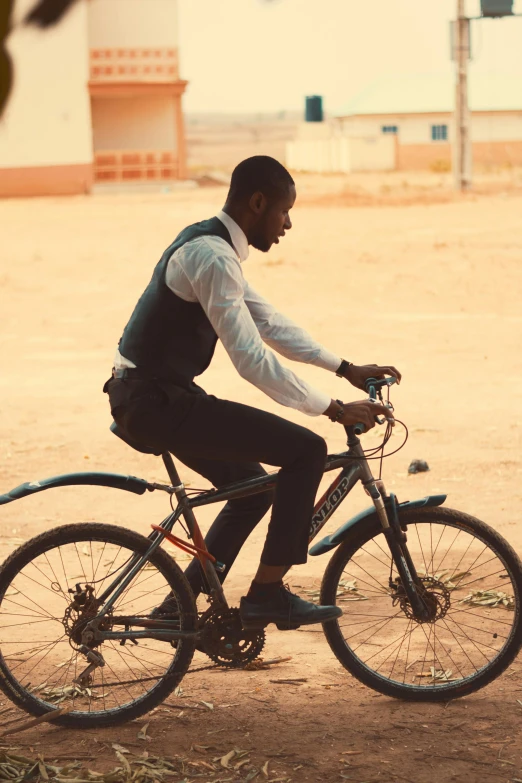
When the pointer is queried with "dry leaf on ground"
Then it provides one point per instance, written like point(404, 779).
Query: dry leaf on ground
point(490, 598)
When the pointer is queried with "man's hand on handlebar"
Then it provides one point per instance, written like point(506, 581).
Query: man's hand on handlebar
point(357, 375)
point(363, 412)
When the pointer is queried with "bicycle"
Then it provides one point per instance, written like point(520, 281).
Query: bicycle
point(424, 616)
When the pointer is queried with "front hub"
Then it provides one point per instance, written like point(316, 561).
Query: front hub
point(433, 593)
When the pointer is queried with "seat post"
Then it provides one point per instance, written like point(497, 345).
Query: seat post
point(171, 469)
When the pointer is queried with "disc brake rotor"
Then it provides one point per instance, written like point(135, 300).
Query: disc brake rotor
point(436, 597)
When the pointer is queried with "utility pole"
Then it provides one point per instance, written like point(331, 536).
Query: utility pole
point(462, 141)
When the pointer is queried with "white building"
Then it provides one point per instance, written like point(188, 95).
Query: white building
point(416, 113)
point(97, 98)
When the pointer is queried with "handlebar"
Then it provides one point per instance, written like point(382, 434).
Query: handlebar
point(373, 386)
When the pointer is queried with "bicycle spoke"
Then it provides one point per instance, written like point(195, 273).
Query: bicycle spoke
point(476, 614)
point(421, 549)
point(434, 551)
point(407, 633)
point(386, 565)
point(455, 570)
point(372, 588)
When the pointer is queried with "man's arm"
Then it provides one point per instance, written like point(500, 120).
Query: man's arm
point(284, 336)
point(288, 339)
point(218, 284)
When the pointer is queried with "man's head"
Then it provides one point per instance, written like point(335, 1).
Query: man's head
point(261, 195)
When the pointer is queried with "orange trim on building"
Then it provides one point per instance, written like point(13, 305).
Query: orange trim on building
point(132, 64)
point(135, 165)
point(438, 155)
point(110, 89)
point(180, 139)
point(66, 180)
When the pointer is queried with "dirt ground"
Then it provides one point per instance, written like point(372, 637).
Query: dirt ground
point(428, 282)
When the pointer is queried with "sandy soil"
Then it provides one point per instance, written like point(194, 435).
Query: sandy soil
point(434, 288)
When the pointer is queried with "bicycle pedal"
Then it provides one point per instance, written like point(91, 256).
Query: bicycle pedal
point(254, 626)
point(287, 627)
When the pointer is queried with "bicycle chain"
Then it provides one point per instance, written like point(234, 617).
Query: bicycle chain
point(208, 667)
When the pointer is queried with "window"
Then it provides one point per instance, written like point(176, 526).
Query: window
point(439, 132)
point(389, 128)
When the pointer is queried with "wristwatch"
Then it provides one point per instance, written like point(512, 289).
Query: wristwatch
point(339, 413)
point(342, 368)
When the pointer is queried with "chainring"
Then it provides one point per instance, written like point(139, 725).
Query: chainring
point(226, 642)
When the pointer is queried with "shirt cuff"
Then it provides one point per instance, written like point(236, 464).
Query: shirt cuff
point(327, 360)
point(316, 402)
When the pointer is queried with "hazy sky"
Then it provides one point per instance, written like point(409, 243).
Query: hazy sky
point(266, 55)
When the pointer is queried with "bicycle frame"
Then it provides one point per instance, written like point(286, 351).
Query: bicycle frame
point(354, 468)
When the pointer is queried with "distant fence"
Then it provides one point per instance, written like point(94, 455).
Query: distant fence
point(134, 165)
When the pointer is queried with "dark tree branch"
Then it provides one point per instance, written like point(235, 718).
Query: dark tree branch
point(48, 12)
point(6, 67)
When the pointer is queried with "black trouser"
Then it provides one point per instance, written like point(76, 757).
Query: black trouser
point(224, 442)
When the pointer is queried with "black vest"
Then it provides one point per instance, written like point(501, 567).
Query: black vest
point(167, 337)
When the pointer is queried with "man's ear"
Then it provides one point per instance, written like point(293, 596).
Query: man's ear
point(257, 202)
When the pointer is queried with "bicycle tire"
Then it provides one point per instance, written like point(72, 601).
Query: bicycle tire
point(406, 691)
point(120, 537)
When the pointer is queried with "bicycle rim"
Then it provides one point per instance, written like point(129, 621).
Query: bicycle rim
point(473, 581)
point(40, 630)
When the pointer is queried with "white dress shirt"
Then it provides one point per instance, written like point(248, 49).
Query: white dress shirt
point(206, 270)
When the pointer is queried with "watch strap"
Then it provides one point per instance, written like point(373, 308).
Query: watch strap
point(342, 368)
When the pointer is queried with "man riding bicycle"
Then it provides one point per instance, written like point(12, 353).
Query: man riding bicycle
point(197, 295)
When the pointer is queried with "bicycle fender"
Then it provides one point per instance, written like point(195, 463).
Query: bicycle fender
point(115, 480)
point(332, 541)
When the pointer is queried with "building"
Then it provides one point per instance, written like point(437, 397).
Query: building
point(416, 112)
point(97, 98)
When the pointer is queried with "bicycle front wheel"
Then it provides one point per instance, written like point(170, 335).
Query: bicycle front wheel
point(473, 581)
point(41, 626)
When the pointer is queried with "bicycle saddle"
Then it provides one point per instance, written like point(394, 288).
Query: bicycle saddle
point(132, 443)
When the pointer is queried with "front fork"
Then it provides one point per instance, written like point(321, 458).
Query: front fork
point(395, 536)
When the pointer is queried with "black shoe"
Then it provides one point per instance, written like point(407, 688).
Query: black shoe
point(167, 609)
point(287, 611)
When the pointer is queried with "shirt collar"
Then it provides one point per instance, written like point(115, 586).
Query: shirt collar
point(237, 235)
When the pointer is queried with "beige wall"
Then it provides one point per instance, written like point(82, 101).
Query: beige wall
point(47, 122)
point(133, 23)
point(134, 123)
point(341, 154)
point(415, 129)
point(497, 126)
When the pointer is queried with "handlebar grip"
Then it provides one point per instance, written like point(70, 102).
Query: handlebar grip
point(370, 384)
point(359, 428)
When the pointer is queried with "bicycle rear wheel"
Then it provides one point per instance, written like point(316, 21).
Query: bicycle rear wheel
point(474, 581)
point(40, 630)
